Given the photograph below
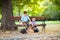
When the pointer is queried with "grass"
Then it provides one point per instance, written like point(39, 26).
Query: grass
point(40, 22)
point(51, 28)
point(50, 25)
point(47, 22)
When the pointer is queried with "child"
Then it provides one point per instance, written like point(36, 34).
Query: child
point(25, 18)
point(34, 25)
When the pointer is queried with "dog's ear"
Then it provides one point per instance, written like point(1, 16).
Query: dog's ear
point(32, 27)
point(30, 24)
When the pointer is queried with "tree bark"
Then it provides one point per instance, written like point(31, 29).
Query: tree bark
point(6, 14)
point(19, 11)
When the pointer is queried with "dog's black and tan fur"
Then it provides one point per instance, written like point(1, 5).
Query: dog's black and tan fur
point(28, 30)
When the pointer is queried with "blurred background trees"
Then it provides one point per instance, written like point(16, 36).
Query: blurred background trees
point(49, 9)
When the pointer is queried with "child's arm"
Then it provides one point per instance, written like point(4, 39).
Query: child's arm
point(22, 18)
point(29, 19)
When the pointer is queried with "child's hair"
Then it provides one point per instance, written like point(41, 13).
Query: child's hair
point(32, 18)
point(25, 12)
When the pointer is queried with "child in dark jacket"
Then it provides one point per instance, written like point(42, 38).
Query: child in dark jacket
point(33, 22)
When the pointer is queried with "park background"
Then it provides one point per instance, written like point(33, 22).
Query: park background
point(49, 9)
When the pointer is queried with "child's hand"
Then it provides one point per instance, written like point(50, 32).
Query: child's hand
point(30, 22)
point(21, 23)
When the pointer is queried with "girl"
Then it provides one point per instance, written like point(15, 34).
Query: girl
point(33, 22)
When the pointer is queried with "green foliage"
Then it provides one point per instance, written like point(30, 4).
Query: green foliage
point(28, 5)
point(57, 2)
point(50, 9)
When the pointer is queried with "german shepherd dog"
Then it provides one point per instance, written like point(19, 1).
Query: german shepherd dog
point(28, 30)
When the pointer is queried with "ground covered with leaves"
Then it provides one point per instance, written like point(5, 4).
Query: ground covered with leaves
point(52, 33)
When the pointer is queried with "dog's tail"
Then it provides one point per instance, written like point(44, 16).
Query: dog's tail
point(23, 31)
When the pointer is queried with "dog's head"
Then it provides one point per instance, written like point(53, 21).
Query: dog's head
point(30, 29)
point(30, 26)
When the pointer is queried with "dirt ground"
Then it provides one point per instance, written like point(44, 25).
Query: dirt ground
point(50, 29)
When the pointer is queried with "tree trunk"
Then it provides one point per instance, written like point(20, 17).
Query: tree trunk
point(6, 14)
point(19, 11)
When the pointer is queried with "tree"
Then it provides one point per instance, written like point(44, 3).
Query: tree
point(6, 14)
point(27, 5)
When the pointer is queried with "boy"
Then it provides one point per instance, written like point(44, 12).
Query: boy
point(25, 19)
